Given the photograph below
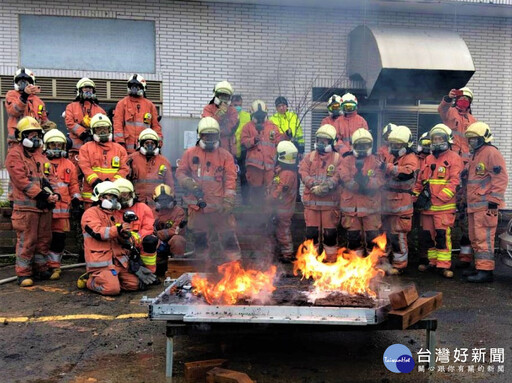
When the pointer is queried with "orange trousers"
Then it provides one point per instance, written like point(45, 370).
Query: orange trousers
point(397, 227)
point(440, 245)
point(110, 281)
point(482, 230)
point(284, 234)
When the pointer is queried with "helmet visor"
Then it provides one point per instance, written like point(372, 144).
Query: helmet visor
point(349, 107)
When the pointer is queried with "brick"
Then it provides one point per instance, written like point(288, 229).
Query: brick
point(196, 371)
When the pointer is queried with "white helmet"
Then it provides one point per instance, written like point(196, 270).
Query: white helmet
point(362, 142)
point(55, 135)
point(400, 139)
point(125, 186)
point(259, 111)
point(334, 105)
point(325, 131)
point(103, 188)
point(149, 134)
point(138, 82)
point(387, 130)
point(100, 120)
point(348, 103)
point(26, 74)
point(222, 93)
point(287, 152)
point(208, 125)
point(82, 83)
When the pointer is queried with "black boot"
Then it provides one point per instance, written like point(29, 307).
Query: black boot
point(481, 276)
point(469, 272)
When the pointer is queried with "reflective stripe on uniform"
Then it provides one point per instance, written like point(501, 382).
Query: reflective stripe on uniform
point(30, 203)
point(135, 123)
point(484, 255)
point(320, 203)
point(448, 192)
point(75, 128)
point(136, 182)
point(435, 181)
point(99, 264)
point(91, 177)
point(86, 195)
point(148, 259)
point(60, 211)
point(40, 259)
point(107, 233)
point(400, 209)
point(104, 170)
point(448, 206)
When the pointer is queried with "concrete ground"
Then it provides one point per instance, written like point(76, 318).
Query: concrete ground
point(118, 349)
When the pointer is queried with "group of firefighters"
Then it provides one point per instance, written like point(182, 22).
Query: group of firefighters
point(110, 175)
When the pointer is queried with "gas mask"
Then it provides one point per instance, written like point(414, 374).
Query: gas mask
point(104, 137)
point(475, 143)
point(439, 148)
point(110, 204)
point(88, 95)
point(149, 149)
point(320, 147)
point(21, 85)
point(136, 91)
point(362, 150)
point(56, 153)
point(397, 152)
point(222, 98)
point(335, 113)
point(462, 104)
point(423, 149)
point(164, 202)
point(209, 142)
point(32, 143)
point(126, 202)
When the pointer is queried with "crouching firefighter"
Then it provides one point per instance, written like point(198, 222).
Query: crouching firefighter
point(63, 177)
point(141, 228)
point(170, 222)
point(318, 171)
point(487, 182)
point(435, 190)
point(107, 261)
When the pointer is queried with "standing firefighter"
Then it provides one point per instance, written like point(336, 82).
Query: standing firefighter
point(220, 109)
point(149, 167)
point(318, 171)
point(360, 201)
point(486, 185)
point(281, 196)
point(288, 123)
point(241, 153)
point(351, 121)
point(170, 224)
point(33, 200)
point(208, 175)
point(106, 258)
point(78, 115)
point(400, 173)
point(22, 101)
point(383, 151)
point(455, 111)
point(63, 177)
point(260, 137)
point(436, 187)
point(133, 114)
point(423, 149)
point(101, 159)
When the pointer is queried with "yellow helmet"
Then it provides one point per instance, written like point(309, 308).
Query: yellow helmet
point(401, 135)
point(27, 124)
point(479, 129)
point(149, 134)
point(163, 189)
point(84, 82)
point(326, 131)
point(147, 149)
point(442, 129)
point(258, 105)
point(287, 152)
point(100, 120)
point(223, 87)
point(124, 185)
point(208, 125)
point(54, 135)
point(362, 143)
point(105, 187)
point(387, 129)
point(467, 92)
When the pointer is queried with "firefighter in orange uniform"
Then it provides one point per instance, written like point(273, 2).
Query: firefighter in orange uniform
point(63, 177)
point(400, 170)
point(351, 121)
point(260, 137)
point(170, 222)
point(22, 101)
point(133, 114)
point(436, 186)
point(149, 167)
point(486, 185)
point(281, 196)
point(109, 268)
point(220, 109)
point(360, 202)
point(318, 171)
point(101, 159)
point(423, 149)
point(208, 174)
point(33, 200)
point(78, 116)
point(142, 228)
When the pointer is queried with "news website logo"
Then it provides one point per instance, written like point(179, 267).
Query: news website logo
point(398, 359)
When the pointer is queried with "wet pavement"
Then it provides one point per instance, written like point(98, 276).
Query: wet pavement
point(112, 349)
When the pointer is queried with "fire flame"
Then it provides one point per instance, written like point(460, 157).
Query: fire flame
point(235, 284)
point(350, 273)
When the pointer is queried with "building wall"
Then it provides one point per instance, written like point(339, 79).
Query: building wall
point(269, 50)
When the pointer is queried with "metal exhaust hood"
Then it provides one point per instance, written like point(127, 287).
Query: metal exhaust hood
point(399, 62)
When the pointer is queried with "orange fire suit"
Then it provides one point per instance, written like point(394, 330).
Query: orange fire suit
point(31, 220)
point(213, 173)
point(261, 156)
point(458, 122)
point(360, 202)
point(281, 196)
point(76, 124)
point(17, 109)
point(142, 233)
point(147, 172)
point(102, 161)
point(106, 261)
point(346, 125)
point(63, 177)
point(443, 176)
point(228, 124)
point(487, 182)
point(400, 175)
point(131, 116)
point(321, 210)
point(329, 120)
point(171, 236)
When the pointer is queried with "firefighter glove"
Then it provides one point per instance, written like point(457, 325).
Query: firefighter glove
point(145, 275)
point(85, 136)
point(228, 204)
